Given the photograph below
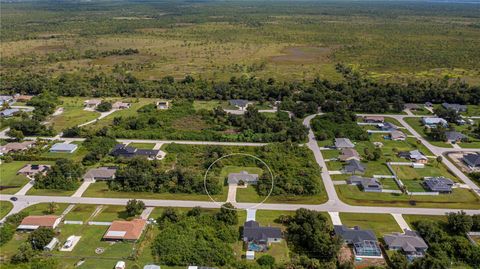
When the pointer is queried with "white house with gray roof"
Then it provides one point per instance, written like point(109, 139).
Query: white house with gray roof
point(63, 148)
point(244, 176)
point(100, 173)
point(366, 184)
point(409, 242)
point(342, 143)
point(472, 160)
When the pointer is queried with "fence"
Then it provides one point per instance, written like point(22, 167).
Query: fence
point(99, 223)
point(73, 222)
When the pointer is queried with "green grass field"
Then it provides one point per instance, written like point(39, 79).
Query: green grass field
point(381, 224)
point(430, 170)
point(9, 177)
point(5, 207)
point(81, 212)
point(142, 145)
point(73, 114)
point(42, 209)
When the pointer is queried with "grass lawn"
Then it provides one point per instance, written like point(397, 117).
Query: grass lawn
point(73, 114)
point(81, 212)
point(416, 124)
point(111, 213)
point(381, 224)
point(5, 207)
point(459, 198)
point(142, 145)
point(472, 110)
point(330, 154)
point(430, 170)
point(100, 189)
point(9, 177)
point(77, 155)
point(250, 195)
point(42, 209)
point(210, 105)
point(11, 247)
point(334, 165)
point(410, 219)
point(49, 192)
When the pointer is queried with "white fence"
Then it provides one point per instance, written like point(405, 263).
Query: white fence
point(433, 193)
point(73, 222)
point(392, 191)
point(99, 223)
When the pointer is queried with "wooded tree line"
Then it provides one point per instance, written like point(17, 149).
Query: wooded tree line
point(355, 93)
point(340, 123)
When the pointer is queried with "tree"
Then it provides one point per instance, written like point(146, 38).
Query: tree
point(194, 212)
point(439, 159)
point(228, 214)
point(24, 254)
point(64, 175)
point(399, 261)
point(16, 134)
point(476, 222)
point(459, 223)
point(169, 214)
point(41, 237)
point(267, 261)
point(104, 107)
point(134, 207)
point(52, 207)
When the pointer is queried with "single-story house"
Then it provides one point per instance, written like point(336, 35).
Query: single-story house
point(240, 103)
point(33, 169)
point(121, 150)
point(387, 126)
point(9, 112)
point(472, 160)
point(253, 232)
point(434, 121)
point(120, 105)
point(200, 267)
point(8, 99)
point(366, 184)
point(414, 155)
point(411, 106)
point(397, 136)
point(125, 230)
point(364, 242)
point(348, 154)
point(93, 103)
point(16, 146)
point(22, 97)
point(409, 242)
point(438, 184)
point(341, 143)
point(34, 222)
point(373, 119)
point(353, 166)
point(100, 173)
point(63, 148)
point(151, 266)
point(163, 104)
point(244, 176)
point(456, 107)
point(453, 136)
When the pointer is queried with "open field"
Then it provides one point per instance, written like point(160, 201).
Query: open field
point(73, 114)
point(9, 177)
point(381, 224)
point(5, 207)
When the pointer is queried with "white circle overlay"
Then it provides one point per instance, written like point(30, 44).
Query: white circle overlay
point(236, 154)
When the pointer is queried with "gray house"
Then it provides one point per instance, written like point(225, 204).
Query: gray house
point(253, 232)
point(438, 184)
point(240, 103)
point(341, 143)
point(366, 184)
point(472, 160)
point(63, 148)
point(453, 136)
point(364, 242)
point(457, 107)
point(9, 112)
point(409, 242)
point(121, 150)
point(353, 166)
point(244, 176)
point(100, 173)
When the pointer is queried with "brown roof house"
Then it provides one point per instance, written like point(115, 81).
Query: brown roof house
point(120, 105)
point(125, 230)
point(16, 146)
point(33, 169)
point(348, 154)
point(31, 223)
point(92, 103)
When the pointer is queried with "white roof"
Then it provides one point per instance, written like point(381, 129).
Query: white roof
point(120, 264)
point(64, 147)
point(251, 214)
point(116, 233)
point(250, 253)
point(27, 227)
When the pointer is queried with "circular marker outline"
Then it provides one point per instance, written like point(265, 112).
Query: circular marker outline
point(234, 154)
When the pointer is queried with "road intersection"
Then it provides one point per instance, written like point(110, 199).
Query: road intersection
point(334, 204)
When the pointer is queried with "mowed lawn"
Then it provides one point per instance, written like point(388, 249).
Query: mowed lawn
point(142, 145)
point(9, 177)
point(73, 114)
point(81, 212)
point(43, 209)
point(381, 224)
point(417, 126)
point(430, 170)
point(459, 198)
point(100, 189)
point(5, 207)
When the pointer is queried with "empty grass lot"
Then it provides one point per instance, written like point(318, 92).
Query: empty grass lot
point(49, 192)
point(81, 212)
point(459, 198)
point(416, 124)
point(381, 224)
point(430, 170)
point(42, 209)
point(142, 145)
point(411, 219)
point(73, 114)
point(100, 189)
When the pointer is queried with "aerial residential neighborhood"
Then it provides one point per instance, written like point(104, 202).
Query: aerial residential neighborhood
point(240, 134)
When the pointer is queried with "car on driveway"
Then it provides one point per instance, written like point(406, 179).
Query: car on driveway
point(13, 199)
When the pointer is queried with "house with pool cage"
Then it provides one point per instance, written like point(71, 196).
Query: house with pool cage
point(258, 238)
point(363, 242)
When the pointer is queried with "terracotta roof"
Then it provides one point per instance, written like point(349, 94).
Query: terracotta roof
point(128, 230)
point(42, 221)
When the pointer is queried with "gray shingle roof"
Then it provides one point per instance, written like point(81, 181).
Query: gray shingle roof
point(343, 143)
point(354, 235)
point(235, 178)
point(121, 150)
point(252, 231)
point(101, 172)
point(438, 184)
point(456, 107)
point(367, 184)
point(455, 136)
point(410, 241)
point(472, 159)
point(63, 147)
point(239, 102)
point(354, 166)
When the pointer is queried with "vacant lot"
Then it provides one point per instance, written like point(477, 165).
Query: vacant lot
point(381, 224)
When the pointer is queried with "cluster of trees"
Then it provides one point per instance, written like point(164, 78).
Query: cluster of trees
point(104, 106)
point(449, 115)
point(142, 175)
point(63, 175)
point(7, 230)
point(98, 147)
point(436, 134)
point(310, 237)
point(253, 123)
point(355, 93)
point(29, 252)
point(294, 167)
point(134, 207)
point(195, 238)
point(341, 123)
point(448, 246)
